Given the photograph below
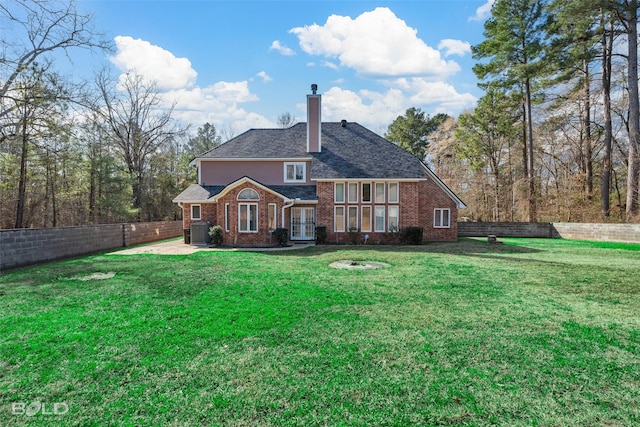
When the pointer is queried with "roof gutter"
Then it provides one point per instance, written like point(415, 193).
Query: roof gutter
point(288, 204)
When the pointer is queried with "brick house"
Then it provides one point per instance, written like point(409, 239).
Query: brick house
point(339, 175)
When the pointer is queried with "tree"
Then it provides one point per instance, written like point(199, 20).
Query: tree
point(513, 51)
point(412, 131)
point(286, 120)
point(483, 136)
point(33, 29)
point(138, 126)
point(206, 139)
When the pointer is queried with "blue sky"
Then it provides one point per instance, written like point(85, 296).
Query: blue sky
point(240, 64)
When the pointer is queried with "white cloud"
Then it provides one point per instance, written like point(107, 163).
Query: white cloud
point(153, 62)
point(483, 12)
point(284, 50)
point(376, 110)
point(361, 45)
point(264, 76)
point(454, 47)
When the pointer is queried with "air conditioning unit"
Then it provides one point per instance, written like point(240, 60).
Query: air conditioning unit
point(200, 233)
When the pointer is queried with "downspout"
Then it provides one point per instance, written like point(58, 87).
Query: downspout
point(287, 205)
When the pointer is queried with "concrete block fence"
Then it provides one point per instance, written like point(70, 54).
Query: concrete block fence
point(21, 247)
point(625, 233)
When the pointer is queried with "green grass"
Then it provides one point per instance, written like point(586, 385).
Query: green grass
point(531, 333)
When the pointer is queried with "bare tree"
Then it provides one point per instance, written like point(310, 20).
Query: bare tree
point(286, 120)
point(139, 126)
point(33, 29)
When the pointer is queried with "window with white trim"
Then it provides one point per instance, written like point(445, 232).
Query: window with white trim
point(339, 192)
point(379, 192)
point(353, 192)
point(393, 192)
point(366, 192)
point(442, 218)
point(338, 219)
point(248, 194)
point(196, 212)
point(272, 216)
point(379, 218)
point(295, 172)
point(248, 217)
point(226, 217)
point(393, 218)
point(353, 218)
point(365, 220)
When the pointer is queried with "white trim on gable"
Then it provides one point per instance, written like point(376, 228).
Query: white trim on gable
point(243, 181)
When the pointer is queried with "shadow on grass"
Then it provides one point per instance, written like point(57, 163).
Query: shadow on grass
point(463, 246)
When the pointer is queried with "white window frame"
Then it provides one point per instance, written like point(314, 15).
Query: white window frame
point(295, 165)
point(336, 224)
point(249, 207)
point(272, 209)
point(375, 194)
point(377, 210)
point(349, 210)
point(397, 199)
point(244, 199)
point(363, 216)
point(193, 217)
point(335, 192)
point(352, 197)
point(397, 216)
point(370, 192)
point(438, 218)
point(226, 217)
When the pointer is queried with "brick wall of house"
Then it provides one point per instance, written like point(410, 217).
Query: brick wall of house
point(433, 197)
point(417, 203)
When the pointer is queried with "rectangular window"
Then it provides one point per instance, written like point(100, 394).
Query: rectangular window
point(379, 192)
point(366, 192)
point(353, 192)
point(379, 219)
point(195, 212)
point(353, 218)
point(273, 223)
point(365, 222)
point(295, 172)
point(441, 218)
point(339, 192)
point(393, 218)
point(248, 217)
point(339, 219)
point(393, 192)
point(226, 217)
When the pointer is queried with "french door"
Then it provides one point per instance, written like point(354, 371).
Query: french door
point(303, 223)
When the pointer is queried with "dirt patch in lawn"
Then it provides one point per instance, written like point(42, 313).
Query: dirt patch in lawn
point(349, 264)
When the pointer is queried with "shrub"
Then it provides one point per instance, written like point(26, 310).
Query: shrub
point(216, 235)
point(411, 235)
point(281, 235)
point(321, 234)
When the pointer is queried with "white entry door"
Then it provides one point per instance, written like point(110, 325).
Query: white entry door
point(303, 223)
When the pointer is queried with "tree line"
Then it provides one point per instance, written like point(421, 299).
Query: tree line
point(555, 137)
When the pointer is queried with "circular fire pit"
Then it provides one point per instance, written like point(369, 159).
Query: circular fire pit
point(349, 264)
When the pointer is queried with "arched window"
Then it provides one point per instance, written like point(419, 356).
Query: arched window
point(248, 194)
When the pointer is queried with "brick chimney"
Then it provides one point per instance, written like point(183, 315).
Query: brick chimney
point(314, 122)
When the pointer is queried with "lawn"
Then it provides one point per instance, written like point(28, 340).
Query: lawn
point(530, 333)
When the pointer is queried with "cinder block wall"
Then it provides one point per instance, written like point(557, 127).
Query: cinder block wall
point(626, 233)
point(506, 229)
point(28, 246)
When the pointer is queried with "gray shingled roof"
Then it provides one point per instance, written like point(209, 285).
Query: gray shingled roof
point(203, 193)
point(347, 152)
